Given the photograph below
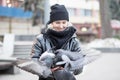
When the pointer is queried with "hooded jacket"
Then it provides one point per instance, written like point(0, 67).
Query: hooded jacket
point(43, 43)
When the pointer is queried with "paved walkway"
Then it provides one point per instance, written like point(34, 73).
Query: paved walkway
point(105, 68)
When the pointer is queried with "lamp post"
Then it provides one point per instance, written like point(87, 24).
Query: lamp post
point(9, 4)
point(46, 12)
point(10, 24)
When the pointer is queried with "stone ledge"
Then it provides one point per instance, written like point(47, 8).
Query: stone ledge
point(109, 50)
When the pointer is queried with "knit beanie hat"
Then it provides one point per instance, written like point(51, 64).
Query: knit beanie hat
point(58, 12)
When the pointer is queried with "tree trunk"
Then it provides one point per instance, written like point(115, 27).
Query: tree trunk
point(105, 19)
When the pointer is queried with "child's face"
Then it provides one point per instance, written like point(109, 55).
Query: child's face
point(60, 25)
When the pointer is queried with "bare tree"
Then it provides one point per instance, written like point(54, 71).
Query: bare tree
point(35, 6)
point(115, 9)
point(105, 19)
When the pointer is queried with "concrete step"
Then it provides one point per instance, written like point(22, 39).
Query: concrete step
point(22, 49)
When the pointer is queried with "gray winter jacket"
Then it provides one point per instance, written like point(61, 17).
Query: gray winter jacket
point(42, 44)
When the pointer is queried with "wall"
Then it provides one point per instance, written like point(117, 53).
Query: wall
point(19, 27)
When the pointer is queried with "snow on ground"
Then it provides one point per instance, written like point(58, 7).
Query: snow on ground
point(104, 43)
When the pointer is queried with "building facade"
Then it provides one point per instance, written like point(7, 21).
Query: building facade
point(84, 14)
point(13, 20)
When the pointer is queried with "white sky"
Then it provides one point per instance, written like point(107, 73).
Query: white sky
point(77, 3)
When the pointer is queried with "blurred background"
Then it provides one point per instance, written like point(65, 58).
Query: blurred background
point(93, 18)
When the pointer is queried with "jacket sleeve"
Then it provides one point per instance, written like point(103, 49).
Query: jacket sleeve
point(77, 48)
point(74, 54)
point(36, 49)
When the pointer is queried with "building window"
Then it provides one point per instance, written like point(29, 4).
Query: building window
point(82, 12)
point(88, 12)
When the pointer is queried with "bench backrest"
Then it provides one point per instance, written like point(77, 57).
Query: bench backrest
point(8, 45)
point(22, 49)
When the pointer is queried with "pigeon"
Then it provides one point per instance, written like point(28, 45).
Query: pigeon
point(75, 60)
point(71, 61)
point(40, 67)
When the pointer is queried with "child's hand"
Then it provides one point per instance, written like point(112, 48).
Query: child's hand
point(56, 68)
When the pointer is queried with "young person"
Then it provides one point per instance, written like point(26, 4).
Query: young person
point(58, 35)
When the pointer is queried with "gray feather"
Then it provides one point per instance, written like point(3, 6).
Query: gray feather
point(40, 67)
point(77, 60)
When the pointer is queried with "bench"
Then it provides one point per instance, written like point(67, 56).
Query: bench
point(7, 52)
point(13, 46)
point(22, 49)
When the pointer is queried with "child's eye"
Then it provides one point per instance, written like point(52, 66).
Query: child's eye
point(57, 22)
